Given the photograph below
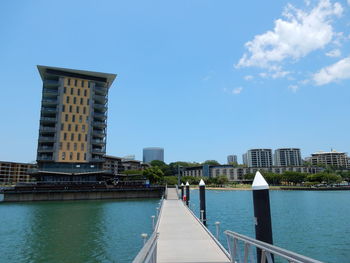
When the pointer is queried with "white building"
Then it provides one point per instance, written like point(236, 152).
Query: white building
point(232, 159)
point(288, 157)
point(258, 158)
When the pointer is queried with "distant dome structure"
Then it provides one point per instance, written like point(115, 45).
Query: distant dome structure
point(153, 153)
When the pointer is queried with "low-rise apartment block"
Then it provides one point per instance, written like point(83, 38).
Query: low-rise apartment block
point(13, 172)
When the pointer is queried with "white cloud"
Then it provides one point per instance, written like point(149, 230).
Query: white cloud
point(250, 77)
point(295, 36)
point(237, 91)
point(335, 72)
point(279, 74)
point(334, 53)
point(293, 88)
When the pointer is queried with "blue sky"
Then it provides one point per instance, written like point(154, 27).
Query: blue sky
point(203, 79)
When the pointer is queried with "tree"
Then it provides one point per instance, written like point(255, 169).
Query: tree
point(163, 166)
point(272, 178)
point(170, 180)
point(211, 162)
point(221, 180)
point(294, 177)
point(154, 174)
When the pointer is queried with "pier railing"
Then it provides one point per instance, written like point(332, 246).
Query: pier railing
point(243, 249)
point(148, 253)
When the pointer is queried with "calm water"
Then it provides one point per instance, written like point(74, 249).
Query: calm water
point(74, 232)
point(312, 223)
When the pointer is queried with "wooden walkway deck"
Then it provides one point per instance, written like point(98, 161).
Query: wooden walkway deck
point(182, 238)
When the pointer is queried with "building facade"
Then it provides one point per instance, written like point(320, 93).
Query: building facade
point(238, 173)
point(258, 158)
point(232, 159)
point(73, 122)
point(153, 153)
point(288, 157)
point(332, 158)
point(12, 172)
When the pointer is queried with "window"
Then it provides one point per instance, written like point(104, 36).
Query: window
point(85, 93)
point(67, 99)
point(70, 108)
point(78, 92)
point(65, 136)
point(64, 89)
point(83, 128)
point(73, 118)
point(87, 118)
point(72, 137)
point(66, 117)
point(75, 82)
point(71, 91)
point(79, 137)
point(75, 100)
point(81, 118)
point(82, 83)
point(88, 101)
point(85, 156)
point(63, 156)
point(68, 146)
point(70, 156)
point(60, 146)
point(84, 110)
point(62, 126)
point(69, 127)
point(77, 109)
point(81, 101)
point(86, 137)
point(76, 127)
point(63, 108)
point(78, 156)
point(82, 146)
point(68, 81)
point(75, 146)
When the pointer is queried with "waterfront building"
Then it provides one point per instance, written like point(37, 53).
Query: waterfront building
point(258, 158)
point(153, 153)
point(73, 124)
point(332, 158)
point(13, 172)
point(117, 165)
point(232, 159)
point(237, 173)
point(287, 157)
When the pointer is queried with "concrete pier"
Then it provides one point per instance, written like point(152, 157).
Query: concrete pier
point(182, 238)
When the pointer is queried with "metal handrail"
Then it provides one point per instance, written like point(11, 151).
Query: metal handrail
point(148, 253)
point(267, 250)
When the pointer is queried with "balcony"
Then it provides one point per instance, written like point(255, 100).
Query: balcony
point(47, 119)
point(50, 92)
point(47, 101)
point(45, 158)
point(98, 133)
point(48, 110)
point(100, 99)
point(47, 129)
point(51, 83)
point(97, 159)
point(100, 107)
point(100, 124)
point(98, 151)
point(100, 116)
point(99, 142)
point(46, 139)
point(45, 149)
point(100, 90)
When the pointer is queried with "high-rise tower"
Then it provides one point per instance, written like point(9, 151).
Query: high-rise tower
point(73, 122)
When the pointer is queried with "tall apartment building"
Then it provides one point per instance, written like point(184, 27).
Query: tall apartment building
point(153, 153)
point(258, 158)
point(288, 157)
point(332, 158)
point(73, 122)
point(232, 159)
point(12, 172)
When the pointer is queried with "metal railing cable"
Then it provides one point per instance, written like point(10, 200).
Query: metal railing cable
point(148, 253)
point(241, 249)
